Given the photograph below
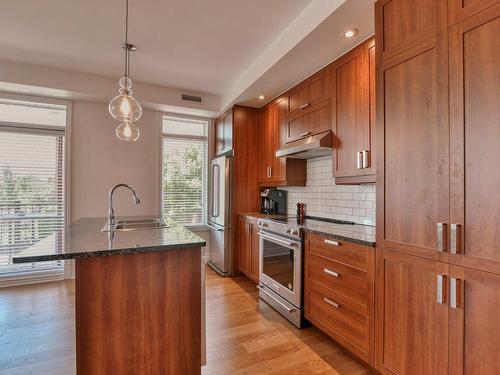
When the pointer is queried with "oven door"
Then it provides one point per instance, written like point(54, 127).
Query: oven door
point(281, 266)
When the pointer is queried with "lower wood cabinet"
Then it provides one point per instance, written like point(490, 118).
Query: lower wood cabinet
point(435, 318)
point(339, 292)
point(248, 247)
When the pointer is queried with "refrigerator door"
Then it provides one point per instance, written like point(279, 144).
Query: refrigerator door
point(220, 249)
point(220, 200)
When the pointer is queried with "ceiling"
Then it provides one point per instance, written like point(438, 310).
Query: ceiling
point(197, 45)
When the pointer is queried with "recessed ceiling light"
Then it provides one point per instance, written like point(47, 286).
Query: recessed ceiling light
point(350, 33)
point(262, 97)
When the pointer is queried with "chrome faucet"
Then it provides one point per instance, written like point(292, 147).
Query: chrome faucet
point(111, 211)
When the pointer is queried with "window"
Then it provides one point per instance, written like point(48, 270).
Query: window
point(184, 169)
point(32, 181)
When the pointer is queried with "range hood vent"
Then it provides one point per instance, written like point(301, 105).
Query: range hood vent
point(307, 148)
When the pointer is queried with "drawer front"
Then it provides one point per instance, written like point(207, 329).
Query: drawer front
point(338, 314)
point(315, 120)
point(351, 282)
point(339, 251)
point(309, 92)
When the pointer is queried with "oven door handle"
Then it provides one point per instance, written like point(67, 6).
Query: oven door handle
point(262, 289)
point(279, 240)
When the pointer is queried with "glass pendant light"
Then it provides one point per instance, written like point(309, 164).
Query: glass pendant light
point(124, 107)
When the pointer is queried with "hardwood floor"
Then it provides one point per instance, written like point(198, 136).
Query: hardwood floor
point(244, 335)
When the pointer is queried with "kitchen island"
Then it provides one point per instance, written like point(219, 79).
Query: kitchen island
point(138, 296)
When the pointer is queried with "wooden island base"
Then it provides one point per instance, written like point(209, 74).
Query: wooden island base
point(139, 314)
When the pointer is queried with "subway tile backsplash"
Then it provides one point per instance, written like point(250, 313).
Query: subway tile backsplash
point(325, 199)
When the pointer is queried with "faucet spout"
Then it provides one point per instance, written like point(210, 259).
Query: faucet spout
point(111, 210)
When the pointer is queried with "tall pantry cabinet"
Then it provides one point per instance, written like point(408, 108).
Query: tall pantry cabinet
point(438, 186)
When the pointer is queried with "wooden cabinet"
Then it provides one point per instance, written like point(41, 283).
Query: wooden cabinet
point(248, 247)
point(276, 171)
point(437, 126)
point(353, 107)
point(338, 291)
point(309, 107)
point(223, 133)
point(474, 134)
point(412, 315)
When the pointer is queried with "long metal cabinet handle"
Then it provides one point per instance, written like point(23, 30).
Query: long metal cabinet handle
point(270, 171)
point(441, 232)
point(332, 303)
point(304, 134)
point(330, 272)
point(454, 293)
point(215, 191)
point(330, 242)
point(366, 159)
point(454, 238)
point(440, 291)
point(304, 106)
point(359, 160)
point(261, 288)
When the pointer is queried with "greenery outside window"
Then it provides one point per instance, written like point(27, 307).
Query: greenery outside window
point(184, 169)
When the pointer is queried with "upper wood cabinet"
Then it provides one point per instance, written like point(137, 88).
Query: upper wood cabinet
point(223, 133)
point(459, 10)
point(474, 133)
point(276, 171)
point(412, 127)
point(309, 107)
point(353, 111)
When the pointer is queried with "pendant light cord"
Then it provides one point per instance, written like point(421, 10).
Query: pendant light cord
point(127, 50)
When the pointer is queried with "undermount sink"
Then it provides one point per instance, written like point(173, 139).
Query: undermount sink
point(136, 224)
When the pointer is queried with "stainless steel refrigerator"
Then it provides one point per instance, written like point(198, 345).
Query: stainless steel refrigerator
point(219, 221)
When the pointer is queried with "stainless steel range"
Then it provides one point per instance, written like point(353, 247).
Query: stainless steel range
point(281, 263)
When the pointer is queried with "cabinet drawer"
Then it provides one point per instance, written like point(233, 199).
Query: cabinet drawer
point(339, 251)
point(315, 120)
point(351, 282)
point(309, 92)
point(338, 314)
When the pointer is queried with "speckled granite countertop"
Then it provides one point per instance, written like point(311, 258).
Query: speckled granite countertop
point(356, 233)
point(84, 239)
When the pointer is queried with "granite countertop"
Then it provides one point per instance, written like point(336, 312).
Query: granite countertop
point(356, 233)
point(84, 239)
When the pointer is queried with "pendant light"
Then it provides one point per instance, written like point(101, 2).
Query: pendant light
point(124, 107)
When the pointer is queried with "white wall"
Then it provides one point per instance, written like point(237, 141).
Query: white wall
point(325, 199)
point(99, 160)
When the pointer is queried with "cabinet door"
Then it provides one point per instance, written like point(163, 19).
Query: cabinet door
point(266, 140)
point(313, 120)
point(475, 134)
point(369, 165)
point(255, 252)
point(412, 315)
point(459, 10)
point(278, 166)
point(474, 324)
point(228, 131)
point(219, 135)
point(412, 121)
point(350, 108)
point(243, 246)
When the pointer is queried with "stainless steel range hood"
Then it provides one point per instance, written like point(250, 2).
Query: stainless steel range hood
point(307, 148)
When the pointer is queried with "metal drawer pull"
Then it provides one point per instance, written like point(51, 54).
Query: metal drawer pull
point(330, 302)
point(330, 242)
point(261, 288)
point(454, 238)
point(330, 272)
point(304, 134)
point(304, 106)
point(441, 229)
point(366, 159)
point(359, 160)
point(454, 293)
point(440, 291)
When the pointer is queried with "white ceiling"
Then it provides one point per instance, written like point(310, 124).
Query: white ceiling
point(197, 45)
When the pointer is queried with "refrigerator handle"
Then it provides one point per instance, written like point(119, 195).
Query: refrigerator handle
point(215, 190)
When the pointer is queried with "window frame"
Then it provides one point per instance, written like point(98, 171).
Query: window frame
point(44, 129)
point(206, 138)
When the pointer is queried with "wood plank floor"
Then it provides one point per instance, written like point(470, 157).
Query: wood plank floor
point(244, 335)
